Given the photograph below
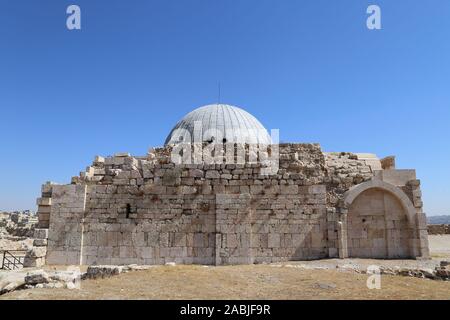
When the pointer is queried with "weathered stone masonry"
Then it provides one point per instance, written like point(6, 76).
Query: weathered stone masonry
point(147, 210)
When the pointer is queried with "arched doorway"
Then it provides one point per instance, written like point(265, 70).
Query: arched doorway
point(378, 226)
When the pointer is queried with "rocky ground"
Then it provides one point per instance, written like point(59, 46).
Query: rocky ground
point(319, 279)
point(322, 279)
point(243, 282)
point(15, 243)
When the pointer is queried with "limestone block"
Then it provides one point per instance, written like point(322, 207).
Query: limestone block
point(121, 182)
point(414, 183)
point(177, 252)
point(147, 174)
point(289, 189)
point(126, 252)
point(99, 171)
point(40, 233)
point(388, 163)
point(417, 193)
point(397, 177)
point(164, 239)
point(187, 190)
point(179, 239)
point(44, 201)
point(232, 240)
point(212, 174)
point(36, 277)
point(110, 189)
point(44, 209)
point(423, 235)
point(256, 189)
point(206, 189)
point(99, 159)
point(102, 271)
point(154, 189)
point(317, 189)
point(40, 242)
point(219, 189)
point(273, 240)
point(139, 239)
point(418, 203)
point(118, 161)
point(226, 176)
point(379, 243)
point(121, 154)
point(61, 257)
point(37, 252)
point(32, 262)
point(317, 240)
point(421, 220)
point(244, 189)
point(136, 174)
point(199, 240)
point(46, 188)
point(196, 173)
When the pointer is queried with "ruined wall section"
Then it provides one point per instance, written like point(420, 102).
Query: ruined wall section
point(282, 218)
point(407, 181)
point(66, 224)
point(148, 210)
point(344, 170)
point(44, 204)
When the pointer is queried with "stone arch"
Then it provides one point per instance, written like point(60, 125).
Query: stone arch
point(380, 221)
point(355, 191)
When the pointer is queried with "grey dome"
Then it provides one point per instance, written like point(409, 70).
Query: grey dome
point(219, 123)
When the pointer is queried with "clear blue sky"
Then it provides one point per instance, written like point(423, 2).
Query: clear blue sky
point(310, 68)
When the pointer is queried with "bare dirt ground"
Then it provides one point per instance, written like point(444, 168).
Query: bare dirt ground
point(290, 280)
point(243, 282)
point(439, 245)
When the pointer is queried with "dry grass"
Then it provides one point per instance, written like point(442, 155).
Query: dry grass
point(242, 282)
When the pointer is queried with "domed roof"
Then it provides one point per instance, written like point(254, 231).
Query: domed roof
point(220, 123)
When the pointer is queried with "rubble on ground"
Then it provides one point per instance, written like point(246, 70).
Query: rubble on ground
point(16, 230)
point(95, 272)
point(15, 280)
point(439, 272)
point(69, 279)
point(438, 229)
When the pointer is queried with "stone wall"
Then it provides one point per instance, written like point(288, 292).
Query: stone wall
point(147, 210)
point(66, 224)
point(344, 170)
point(44, 205)
point(348, 173)
point(378, 227)
point(258, 228)
point(147, 225)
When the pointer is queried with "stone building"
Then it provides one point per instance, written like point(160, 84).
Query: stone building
point(209, 196)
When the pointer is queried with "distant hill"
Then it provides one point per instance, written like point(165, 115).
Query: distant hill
point(438, 219)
